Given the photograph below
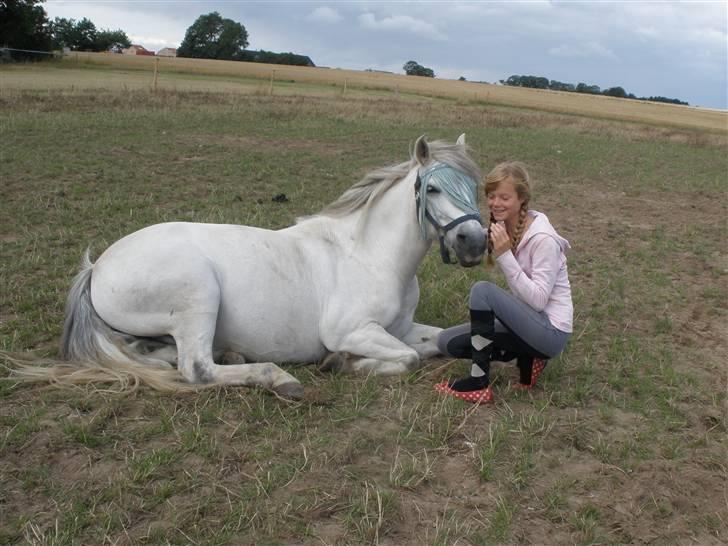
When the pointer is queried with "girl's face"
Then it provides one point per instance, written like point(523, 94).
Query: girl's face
point(504, 202)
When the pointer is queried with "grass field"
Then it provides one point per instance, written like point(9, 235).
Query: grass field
point(624, 442)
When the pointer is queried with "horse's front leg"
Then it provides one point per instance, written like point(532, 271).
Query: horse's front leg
point(423, 339)
point(420, 337)
point(370, 349)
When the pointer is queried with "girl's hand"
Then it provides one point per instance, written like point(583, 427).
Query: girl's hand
point(500, 238)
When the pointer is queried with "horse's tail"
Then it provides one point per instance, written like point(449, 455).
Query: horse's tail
point(85, 335)
point(92, 352)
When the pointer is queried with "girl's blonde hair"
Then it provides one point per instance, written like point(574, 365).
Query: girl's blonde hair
point(516, 173)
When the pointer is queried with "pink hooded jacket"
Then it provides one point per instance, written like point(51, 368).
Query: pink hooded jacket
point(536, 272)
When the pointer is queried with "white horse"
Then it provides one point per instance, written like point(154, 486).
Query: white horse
point(339, 282)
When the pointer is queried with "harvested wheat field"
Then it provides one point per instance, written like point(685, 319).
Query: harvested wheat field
point(539, 99)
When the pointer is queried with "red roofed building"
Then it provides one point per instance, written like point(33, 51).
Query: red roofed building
point(137, 50)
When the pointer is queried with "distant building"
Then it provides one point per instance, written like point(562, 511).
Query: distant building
point(167, 52)
point(137, 50)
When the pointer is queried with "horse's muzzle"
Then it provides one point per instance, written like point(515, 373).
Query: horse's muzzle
point(469, 242)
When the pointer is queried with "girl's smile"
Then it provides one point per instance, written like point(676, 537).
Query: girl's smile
point(504, 203)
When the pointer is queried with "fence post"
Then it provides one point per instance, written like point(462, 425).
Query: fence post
point(345, 81)
point(156, 71)
point(272, 77)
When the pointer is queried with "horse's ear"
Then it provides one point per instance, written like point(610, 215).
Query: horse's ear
point(422, 151)
point(461, 140)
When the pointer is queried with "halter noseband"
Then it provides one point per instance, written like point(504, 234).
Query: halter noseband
point(441, 230)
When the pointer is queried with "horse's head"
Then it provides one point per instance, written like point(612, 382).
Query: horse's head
point(447, 202)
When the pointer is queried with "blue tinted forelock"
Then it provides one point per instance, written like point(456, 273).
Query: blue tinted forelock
point(458, 186)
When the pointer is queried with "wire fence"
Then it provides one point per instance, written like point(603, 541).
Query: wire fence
point(14, 54)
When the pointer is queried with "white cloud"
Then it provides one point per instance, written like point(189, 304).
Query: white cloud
point(707, 37)
point(151, 32)
point(400, 23)
point(647, 32)
point(151, 41)
point(272, 37)
point(325, 14)
point(584, 50)
point(470, 73)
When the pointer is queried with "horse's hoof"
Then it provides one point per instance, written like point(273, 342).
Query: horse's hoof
point(292, 390)
point(335, 362)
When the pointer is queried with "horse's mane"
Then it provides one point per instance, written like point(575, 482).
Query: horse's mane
point(367, 190)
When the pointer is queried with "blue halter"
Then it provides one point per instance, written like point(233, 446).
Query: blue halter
point(459, 187)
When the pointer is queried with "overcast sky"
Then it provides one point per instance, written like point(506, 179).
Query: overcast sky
point(673, 49)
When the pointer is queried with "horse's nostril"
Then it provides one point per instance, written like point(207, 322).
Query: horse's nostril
point(461, 237)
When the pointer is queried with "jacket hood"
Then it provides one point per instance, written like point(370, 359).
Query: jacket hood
point(541, 224)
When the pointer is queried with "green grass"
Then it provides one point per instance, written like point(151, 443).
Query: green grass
point(501, 520)
point(636, 403)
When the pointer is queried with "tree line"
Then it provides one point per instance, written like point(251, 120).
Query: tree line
point(25, 25)
point(540, 82)
point(413, 68)
point(213, 37)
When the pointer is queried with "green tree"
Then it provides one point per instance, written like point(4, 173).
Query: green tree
point(82, 35)
point(79, 35)
point(412, 68)
point(62, 32)
point(561, 86)
point(665, 99)
point(212, 37)
point(588, 89)
point(270, 57)
point(615, 92)
point(534, 82)
point(85, 35)
point(24, 25)
point(111, 40)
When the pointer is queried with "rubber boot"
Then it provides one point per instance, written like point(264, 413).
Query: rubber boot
point(476, 388)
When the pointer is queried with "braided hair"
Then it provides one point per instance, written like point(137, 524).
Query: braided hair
point(516, 173)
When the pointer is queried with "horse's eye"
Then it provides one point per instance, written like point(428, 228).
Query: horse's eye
point(432, 189)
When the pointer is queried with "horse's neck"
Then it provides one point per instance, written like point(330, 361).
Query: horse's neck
point(391, 235)
point(386, 237)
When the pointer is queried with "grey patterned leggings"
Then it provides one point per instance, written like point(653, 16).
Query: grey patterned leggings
point(518, 327)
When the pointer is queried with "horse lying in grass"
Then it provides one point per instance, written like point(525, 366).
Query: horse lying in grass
point(338, 282)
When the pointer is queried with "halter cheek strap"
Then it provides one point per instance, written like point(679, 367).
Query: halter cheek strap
point(457, 221)
point(442, 231)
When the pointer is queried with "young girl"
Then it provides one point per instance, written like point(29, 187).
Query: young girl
point(534, 323)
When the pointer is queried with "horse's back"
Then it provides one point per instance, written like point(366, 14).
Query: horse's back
point(256, 284)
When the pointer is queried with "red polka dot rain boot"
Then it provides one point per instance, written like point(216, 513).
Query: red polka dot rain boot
point(536, 370)
point(481, 396)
